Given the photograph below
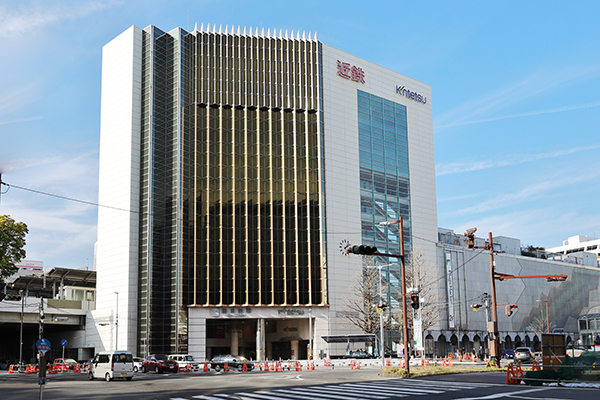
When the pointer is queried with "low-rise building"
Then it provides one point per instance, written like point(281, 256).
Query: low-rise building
point(465, 279)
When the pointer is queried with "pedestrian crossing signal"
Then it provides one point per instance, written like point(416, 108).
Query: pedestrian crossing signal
point(415, 301)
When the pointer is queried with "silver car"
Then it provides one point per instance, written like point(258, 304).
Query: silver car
point(523, 354)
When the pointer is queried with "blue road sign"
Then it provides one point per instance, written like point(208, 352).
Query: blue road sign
point(43, 345)
point(63, 342)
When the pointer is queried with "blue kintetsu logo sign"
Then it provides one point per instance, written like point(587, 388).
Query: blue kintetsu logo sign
point(402, 91)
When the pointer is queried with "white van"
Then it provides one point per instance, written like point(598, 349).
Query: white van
point(112, 364)
point(183, 360)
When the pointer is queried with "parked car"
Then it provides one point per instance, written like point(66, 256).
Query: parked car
point(358, 354)
point(508, 353)
point(109, 365)
point(233, 362)
point(183, 360)
point(69, 363)
point(523, 354)
point(137, 364)
point(574, 350)
point(5, 364)
point(159, 363)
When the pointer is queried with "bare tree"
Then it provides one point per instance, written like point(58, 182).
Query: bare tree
point(359, 308)
point(538, 325)
point(425, 277)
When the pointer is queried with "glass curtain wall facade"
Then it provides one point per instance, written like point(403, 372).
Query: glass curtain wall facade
point(384, 183)
point(232, 177)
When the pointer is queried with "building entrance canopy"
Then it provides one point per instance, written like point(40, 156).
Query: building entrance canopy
point(349, 338)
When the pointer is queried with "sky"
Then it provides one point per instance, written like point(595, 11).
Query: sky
point(515, 97)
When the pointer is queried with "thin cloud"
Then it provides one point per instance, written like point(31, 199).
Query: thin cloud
point(527, 114)
point(531, 192)
point(16, 121)
point(538, 223)
point(537, 83)
point(37, 15)
point(18, 98)
point(15, 165)
point(515, 159)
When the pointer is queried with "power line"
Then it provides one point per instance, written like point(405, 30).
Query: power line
point(138, 212)
point(66, 198)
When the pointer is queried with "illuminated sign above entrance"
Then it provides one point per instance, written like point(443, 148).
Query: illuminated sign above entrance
point(353, 72)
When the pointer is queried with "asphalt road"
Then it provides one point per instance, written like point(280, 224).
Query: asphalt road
point(321, 384)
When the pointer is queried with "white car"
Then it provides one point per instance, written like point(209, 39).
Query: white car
point(183, 360)
point(137, 364)
point(109, 365)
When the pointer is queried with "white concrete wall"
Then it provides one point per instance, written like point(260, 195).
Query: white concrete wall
point(342, 169)
point(119, 187)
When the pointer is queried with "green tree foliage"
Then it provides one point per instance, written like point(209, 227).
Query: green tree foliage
point(12, 242)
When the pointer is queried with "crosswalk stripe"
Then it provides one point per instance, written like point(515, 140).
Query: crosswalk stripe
point(438, 386)
point(345, 390)
point(286, 396)
point(258, 395)
point(448, 383)
point(312, 394)
point(431, 385)
point(324, 392)
point(351, 391)
point(394, 388)
point(274, 396)
point(379, 391)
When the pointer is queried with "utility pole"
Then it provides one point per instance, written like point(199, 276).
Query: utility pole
point(495, 343)
point(493, 325)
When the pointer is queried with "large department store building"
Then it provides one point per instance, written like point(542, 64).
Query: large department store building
point(235, 166)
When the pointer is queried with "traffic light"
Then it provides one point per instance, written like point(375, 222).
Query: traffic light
point(362, 250)
point(476, 306)
point(415, 301)
point(382, 304)
point(509, 309)
point(470, 234)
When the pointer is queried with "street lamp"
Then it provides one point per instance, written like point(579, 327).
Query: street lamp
point(381, 345)
point(21, 333)
point(547, 317)
point(117, 323)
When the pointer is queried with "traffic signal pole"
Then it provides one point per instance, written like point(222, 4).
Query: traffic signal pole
point(404, 316)
point(495, 343)
point(493, 326)
point(366, 250)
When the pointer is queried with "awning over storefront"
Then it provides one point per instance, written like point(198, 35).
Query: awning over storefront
point(349, 338)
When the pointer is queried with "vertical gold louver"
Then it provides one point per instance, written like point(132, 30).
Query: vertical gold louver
point(257, 232)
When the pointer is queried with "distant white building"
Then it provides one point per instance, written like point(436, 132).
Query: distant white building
point(575, 245)
point(573, 304)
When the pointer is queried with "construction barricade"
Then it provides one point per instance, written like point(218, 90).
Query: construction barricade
point(514, 375)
